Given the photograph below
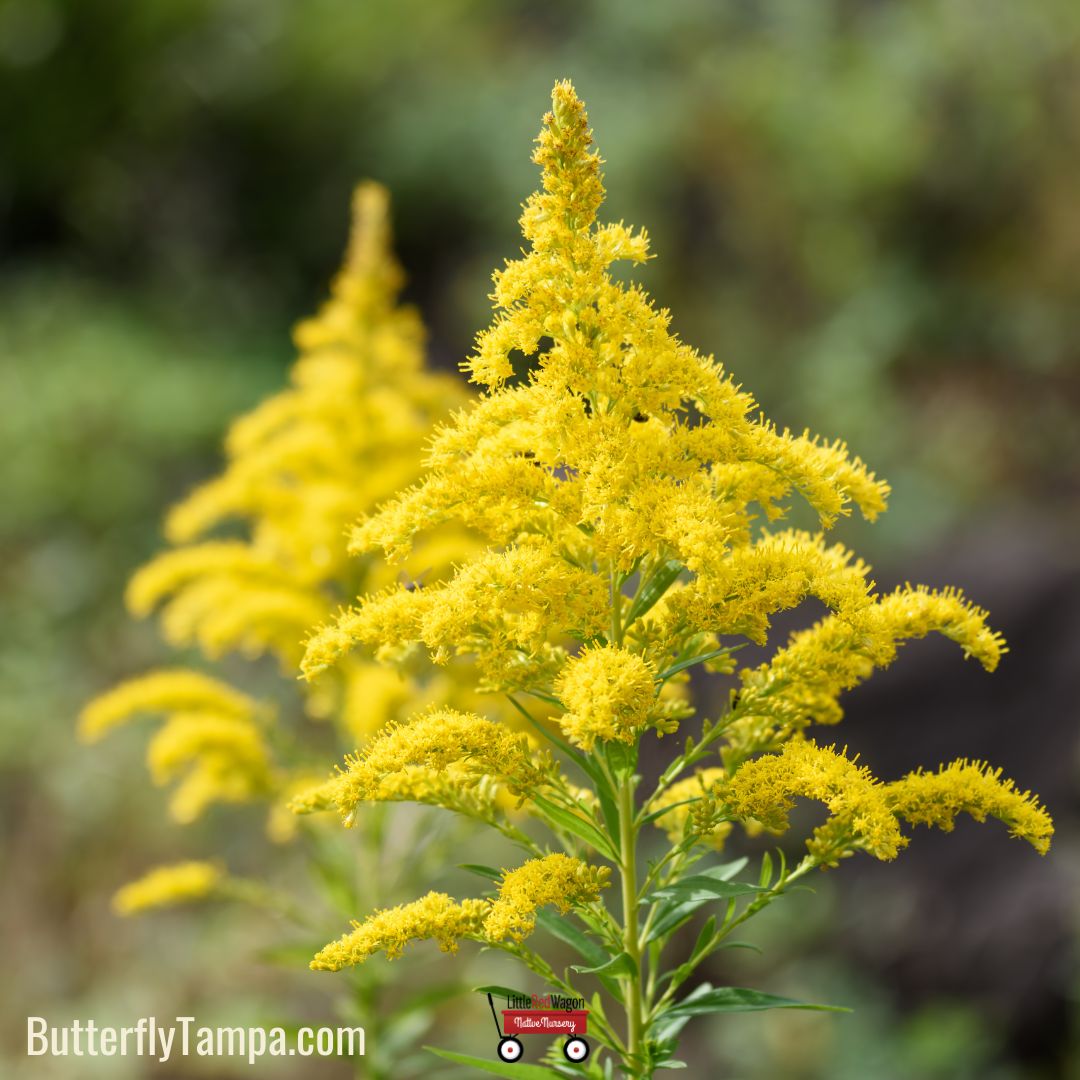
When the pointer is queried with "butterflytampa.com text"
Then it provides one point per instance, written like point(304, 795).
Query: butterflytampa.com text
point(183, 1037)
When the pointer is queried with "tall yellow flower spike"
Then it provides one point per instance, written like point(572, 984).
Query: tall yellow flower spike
point(626, 492)
point(620, 447)
point(346, 434)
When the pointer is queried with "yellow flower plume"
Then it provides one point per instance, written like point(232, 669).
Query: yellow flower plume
point(864, 813)
point(437, 741)
point(621, 448)
point(802, 683)
point(970, 787)
point(165, 691)
point(433, 917)
point(345, 435)
point(165, 886)
point(554, 879)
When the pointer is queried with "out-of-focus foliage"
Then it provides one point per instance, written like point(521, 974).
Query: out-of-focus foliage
point(105, 406)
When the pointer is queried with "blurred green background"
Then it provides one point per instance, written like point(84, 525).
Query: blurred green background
point(866, 209)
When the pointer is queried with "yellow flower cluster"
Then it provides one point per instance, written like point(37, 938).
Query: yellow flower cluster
point(554, 879)
point(437, 742)
point(773, 573)
point(433, 917)
point(168, 885)
point(620, 481)
point(620, 448)
point(165, 691)
point(859, 815)
point(501, 606)
point(608, 693)
point(212, 740)
point(452, 788)
point(346, 433)
point(864, 814)
point(802, 683)
point(220, 759)
point(970, 787)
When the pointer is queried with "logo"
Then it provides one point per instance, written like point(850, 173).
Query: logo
point(550, 1014)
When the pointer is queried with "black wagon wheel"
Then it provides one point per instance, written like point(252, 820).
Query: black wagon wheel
point(575, 1049)
point(510, 1049)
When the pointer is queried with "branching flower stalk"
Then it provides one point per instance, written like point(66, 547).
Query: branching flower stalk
point(629, 497)
point(257, 555)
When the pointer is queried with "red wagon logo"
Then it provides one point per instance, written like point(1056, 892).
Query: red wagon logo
point(572, 1022)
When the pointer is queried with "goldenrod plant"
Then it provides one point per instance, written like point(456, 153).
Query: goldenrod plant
point(631, 498)
point(258, 554)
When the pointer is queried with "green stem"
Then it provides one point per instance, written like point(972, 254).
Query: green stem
point(725, 929)
point(631, 936)
point(616, 609)
point(262, 896)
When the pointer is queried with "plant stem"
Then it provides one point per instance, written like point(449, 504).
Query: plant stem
point(631, 933)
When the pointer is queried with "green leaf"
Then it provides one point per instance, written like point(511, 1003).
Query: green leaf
point(682, 665)
point(705, 935)
point(541, 696)
point(623, 964)
point(725, 871)
point(655, 587)
point(701, 889)
point(648, 819)
point(432, 995)
point(673, 913)
point(497, 991)
point(480, 870)
point(496, 1068)
point(766, 870)
point(577, 825)
point(608, 806)
point(594, 955)
point(621, 758)
point(671, 917)
point(702, 947)
point(562, 928)
point(707, 999)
